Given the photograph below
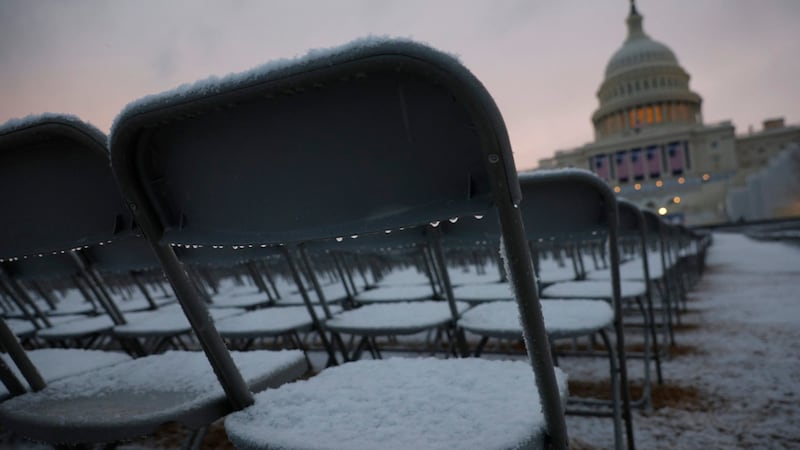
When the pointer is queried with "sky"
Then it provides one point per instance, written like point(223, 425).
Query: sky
point(542, 61)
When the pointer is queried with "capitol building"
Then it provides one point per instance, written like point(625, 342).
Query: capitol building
point(652, 146)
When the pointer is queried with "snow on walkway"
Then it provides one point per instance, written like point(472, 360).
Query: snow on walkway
point(746, 310)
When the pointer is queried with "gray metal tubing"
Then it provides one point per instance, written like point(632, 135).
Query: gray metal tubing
point(268, 275)
point(19, 302)
point(426, 266)
point(436, 247)
point(20, 358)
point(196, 311)
point(340, 272)
point(312, 275)
point(625, 394)
point(10, 381)
point(537, 343)
point(143, 289)
point(303, 293)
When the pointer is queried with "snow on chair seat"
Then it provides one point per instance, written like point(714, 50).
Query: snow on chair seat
point(395, 294)
point(273, 321)
point(134, 398)
point(399, 403)
point(77, 328)
point(593, 289)
point(562, 318)
point(57, 363)
point(165, 322)
point(478, 293)
point(394, 318)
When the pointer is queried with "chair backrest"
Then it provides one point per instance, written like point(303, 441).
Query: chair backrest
point(566, 204)
point(376, 135)
point(64, 195)
point(363, 139)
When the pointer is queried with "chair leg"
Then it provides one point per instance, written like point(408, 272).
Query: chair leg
point(195, 439)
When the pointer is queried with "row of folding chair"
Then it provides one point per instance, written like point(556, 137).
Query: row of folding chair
point(321, 148)
point(331, 165)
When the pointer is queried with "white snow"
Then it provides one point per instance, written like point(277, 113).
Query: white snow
point(743, 322)
point(35, 119)
point(593, 289)
point(269, 321)
point(745, 319)
point(166, 321)
point(150, 390)
point(398, 404)
point(77, 328)
point(271, 70)
point(394, 318)
point(561, 318)
point(57, 363)
point(395, 294)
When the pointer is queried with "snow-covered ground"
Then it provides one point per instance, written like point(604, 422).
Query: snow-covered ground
point(744, 325)
point(736, 380)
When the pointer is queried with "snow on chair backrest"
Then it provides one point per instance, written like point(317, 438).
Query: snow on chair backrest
point(372, 136)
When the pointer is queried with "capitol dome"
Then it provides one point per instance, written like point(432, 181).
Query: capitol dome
point(644, 87)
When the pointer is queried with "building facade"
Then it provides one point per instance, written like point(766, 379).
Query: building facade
point(652, 145)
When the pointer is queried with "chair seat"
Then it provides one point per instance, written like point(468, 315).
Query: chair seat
point(141, 303)
point(123, 401)
point(77, 328)
point(399, 403)
point(477, 293)
point(269, 322)
point(333, 294)
point(167, 321)
point(550, 272)
point(562, 318)
point(240, 299)
point(632, 270)
point(393, 318)
point(459, 277)
point(57, 363)
point(403, 277)
point(593, 289)
point(395, 294)
point(21, 328)
point(66, 308)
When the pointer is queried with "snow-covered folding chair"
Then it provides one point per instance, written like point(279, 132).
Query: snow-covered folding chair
point(56, 363)
point(562, 206)
point(65, 197)
point(373, 136)
point(397, 310)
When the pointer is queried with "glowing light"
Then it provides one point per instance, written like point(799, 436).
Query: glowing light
point(676, 199)
point(637, 186)
point(617, 189)
point(662, 211)
point(681, 180)
point(706, 177)
point(659, 183)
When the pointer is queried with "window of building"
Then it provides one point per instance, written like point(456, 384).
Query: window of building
point(649, 114)
point(658, 113)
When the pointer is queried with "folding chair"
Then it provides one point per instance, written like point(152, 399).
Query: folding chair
point(373, 136)
point(64, 198)
point(562, 206)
